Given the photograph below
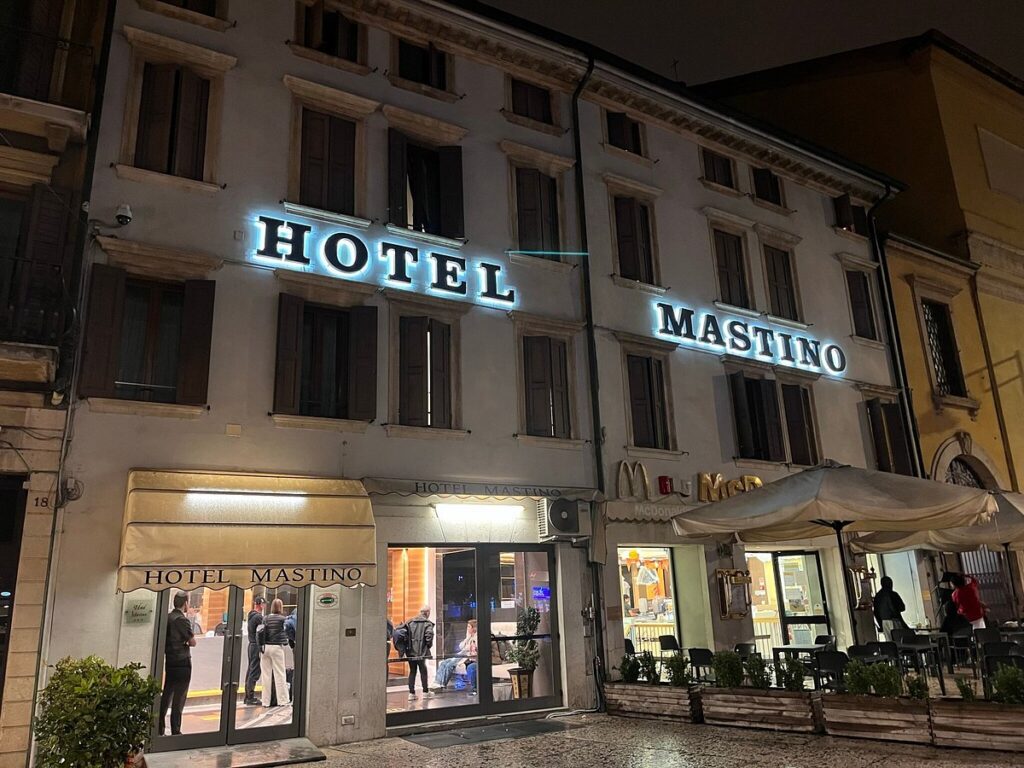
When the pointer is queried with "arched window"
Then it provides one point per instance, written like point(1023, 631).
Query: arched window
point(961, 473)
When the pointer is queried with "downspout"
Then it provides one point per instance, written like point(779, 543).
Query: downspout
point(595, 404)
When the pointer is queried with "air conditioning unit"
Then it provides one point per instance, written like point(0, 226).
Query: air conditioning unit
point(563, 519)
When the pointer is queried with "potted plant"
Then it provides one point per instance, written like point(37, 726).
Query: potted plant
point(873, 705)
point(525, 653)
point(93, 715)
point(972, 724)
point(678, 701)
point(757, 704)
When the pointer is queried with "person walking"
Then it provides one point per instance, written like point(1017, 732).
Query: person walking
point(889, 609)
point(252, 672)
point(177, 664)
point(967, 598)
point(274, 639)
point(421, 638)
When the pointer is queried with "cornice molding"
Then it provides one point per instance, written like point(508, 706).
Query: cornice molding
point(159, 48)
point(149, 260)
point(23, 168)
point(423, 126)
point(548, 162)
point(330, 99)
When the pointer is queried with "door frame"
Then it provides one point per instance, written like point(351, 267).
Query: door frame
point(784, 619)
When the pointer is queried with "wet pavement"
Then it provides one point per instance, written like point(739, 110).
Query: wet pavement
point(609, 742)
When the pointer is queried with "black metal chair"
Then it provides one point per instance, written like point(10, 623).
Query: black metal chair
point(864, 653)
point(829, 641)
point(668, 644)
point(916, 650)
point(987, 635)
point(961, 645)
point(1002, 648)
point(630, 648)
point(830, 667)
point(745, 650)
point(701, 660)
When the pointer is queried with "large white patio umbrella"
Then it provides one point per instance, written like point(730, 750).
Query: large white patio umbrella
point(835, 497)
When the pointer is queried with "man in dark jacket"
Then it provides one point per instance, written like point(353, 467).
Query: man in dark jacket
point(252, 672)
point(421, 638)
point(178, 664)
point(889, 609)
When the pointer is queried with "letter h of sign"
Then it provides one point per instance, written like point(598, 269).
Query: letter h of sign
point(282, 239)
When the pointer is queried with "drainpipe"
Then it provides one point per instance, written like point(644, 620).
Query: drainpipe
point(595, 404)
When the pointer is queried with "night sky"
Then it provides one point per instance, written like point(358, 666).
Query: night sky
point(712, 39)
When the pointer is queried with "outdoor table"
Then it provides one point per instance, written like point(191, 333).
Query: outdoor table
point(940, 640)
point(795, 650)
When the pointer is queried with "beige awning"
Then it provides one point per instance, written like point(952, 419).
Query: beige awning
point(192, 529)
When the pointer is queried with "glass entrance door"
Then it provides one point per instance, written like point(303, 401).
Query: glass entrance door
point(802, 603)
point(227, 693)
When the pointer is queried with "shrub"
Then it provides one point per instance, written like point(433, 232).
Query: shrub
point(858, 678)
point(728, 669)
point(629, 668)
point(758, 673)
point(792, 675)
point(93, 715)
point(649, 668)
point(1008, 685)
point(966, 688)
point(886, 680)
point(917, 687)
point(677, 667)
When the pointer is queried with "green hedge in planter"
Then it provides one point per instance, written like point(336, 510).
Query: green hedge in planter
point(1008, 685)
point(728, 669)
point(677, 667)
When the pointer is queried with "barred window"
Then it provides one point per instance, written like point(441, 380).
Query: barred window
point(938, 323)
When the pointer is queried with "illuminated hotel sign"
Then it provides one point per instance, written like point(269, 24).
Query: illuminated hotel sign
point(747, 338)
point(342, 253)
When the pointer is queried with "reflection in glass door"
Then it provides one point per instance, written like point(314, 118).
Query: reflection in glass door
point(788, 599)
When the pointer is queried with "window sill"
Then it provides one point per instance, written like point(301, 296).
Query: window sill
point(131, 173)
point(329, 216)
point(786, 322)
point(318, 422)
point(33, 364)
point(714, 186)
point(182, 14)
point(758, 464)
point(425, 433)
point(733, 309)
point(528, 122)
point(652, 453)
point(968, 404)
point(637, 285)
point(352, 67)
point(143, 408)
point(770, 206)
point(540, 262)
point(423, 89)
point(611, 149)
point(560, 443)
point(849, 234)
point(425, 237)
point(869, 343)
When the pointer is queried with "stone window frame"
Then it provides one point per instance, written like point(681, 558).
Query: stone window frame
point(620, 186)
point(743, 228)
point(784, 241)
point(851, 263)
point(632, 344)
point(555, 127)
point(448, 95)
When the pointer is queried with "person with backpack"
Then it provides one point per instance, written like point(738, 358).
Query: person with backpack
point(419, 639)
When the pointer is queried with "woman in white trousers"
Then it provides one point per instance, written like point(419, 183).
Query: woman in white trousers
point(272, 659)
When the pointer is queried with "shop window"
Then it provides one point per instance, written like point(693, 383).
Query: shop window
point(718, 169)
point(425, 186)
point(756, 413)
point(531, 101)
point(647, 407)
point(537, 212)
point(625, 133)
point(942, 349)
point(732, 269)
point(767, 186)
point(424, 372)
point(892, 447)
point(326, 361)
point(327, 175)
point(634, 239)
point(648, 596)
point(547, 387)
point(850, 216)
point(423, 64)
point(803, 441)
point(781, 283)
point(329, 31)
point(147, 340)
point(861, 304)
point(171, 135)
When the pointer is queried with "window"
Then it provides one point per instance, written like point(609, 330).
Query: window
point(781, 285)
point(634, 238)
point(756, 411)
point(327, 177)
point(330, 32)
point(803, 444)
point(861, 304)
point(531, 101)
point(718, 169)
point(205, 7)
point(646, 376)
point(171, 135)
point(942, 348)
point(146, 339)
point(625, 133)
point(545, 369)
point(732, 271)
point(892, 448)
point(851, 217)
point(767, 186)
point(648, 596)
point(326, 360)
point(537, 212)
point(425, 186)
point(423, 64)
point(424, 372)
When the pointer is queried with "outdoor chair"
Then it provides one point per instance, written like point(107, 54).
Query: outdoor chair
point(829, 641)
point(630, 648)
point(916, 650)
point(745, 650)
point(961, 645)
point(701, 660)
point(987, 635)
point(1002, 648)
point(864, 653)
point(668, 644)
point(830, 666)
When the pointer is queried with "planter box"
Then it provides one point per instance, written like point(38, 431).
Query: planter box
point(776, 710)
point(655, 702)
point(875, 717)
point(977, 725)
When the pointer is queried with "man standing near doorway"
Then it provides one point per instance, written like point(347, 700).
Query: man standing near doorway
point(421, 638)
point(252, 672)
point(177, 664)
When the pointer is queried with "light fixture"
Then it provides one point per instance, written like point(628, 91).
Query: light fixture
point(495, 513)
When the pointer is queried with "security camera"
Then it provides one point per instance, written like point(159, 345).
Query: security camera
point(124, 214)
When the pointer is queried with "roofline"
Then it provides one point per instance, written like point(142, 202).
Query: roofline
point(916, 245)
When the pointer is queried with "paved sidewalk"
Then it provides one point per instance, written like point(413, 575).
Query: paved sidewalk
point(610, 742)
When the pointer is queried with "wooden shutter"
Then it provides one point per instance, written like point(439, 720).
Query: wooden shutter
point(645, 247)
point(898, 442)
point(190, 136)
point(156, 111)
point(799, 427)
point(37, 294)
point(313, 158)
point(362, 363)
point(860, 304)
point(397, 185)
point(196, 340)
point(35, 54)
point(776, 448)
point(618, 130)
point(451, 191)
point(537, 358)
point(742, 415)
point(560, 411)
point(348, 37)
point(540, 103)
point(860, 220)
point(529, 209)
point(102, 337)
point(549, 214)
point(440, 375)
point(844, 212)
point(626, 227)
point(731, 272)
point(288, 374)
point(313, 26)
point(659, 415)
point(341, 168)
point(638, 370)
point(438, 64)
point(520, 98)
point(781, 289)
point(412, 371)
point(883, 455)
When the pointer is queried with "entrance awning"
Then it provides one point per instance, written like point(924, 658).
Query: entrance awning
point(193, 529)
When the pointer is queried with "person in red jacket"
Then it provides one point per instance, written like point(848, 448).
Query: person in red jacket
point(967, 599)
